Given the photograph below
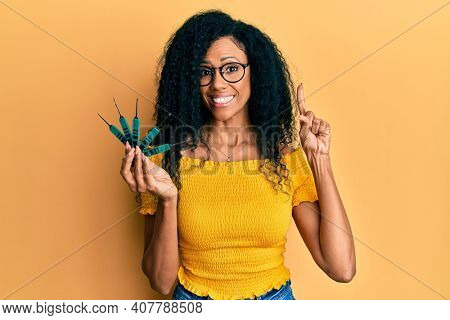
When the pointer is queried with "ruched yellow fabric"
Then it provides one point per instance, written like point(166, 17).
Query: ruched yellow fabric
point(232, 224)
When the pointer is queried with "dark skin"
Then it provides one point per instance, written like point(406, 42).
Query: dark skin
point(322, 224)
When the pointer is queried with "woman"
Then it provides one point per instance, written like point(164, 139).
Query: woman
point(227, 196)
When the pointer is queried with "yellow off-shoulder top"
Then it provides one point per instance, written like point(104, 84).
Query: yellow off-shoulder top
point(232, 224)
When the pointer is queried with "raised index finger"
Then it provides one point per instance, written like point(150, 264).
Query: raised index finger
point(301, 99)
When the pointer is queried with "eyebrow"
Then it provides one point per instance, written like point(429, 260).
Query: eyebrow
point(221, 59)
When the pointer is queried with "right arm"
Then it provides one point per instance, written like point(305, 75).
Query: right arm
point(161, 260)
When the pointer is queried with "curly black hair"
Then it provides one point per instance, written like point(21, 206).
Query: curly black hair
point(179, 104)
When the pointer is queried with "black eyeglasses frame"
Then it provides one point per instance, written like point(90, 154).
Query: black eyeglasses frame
point(244, 65)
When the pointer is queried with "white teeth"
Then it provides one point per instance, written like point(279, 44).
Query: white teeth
point(222, 99)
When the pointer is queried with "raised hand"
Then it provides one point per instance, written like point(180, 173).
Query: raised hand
point(315, 133)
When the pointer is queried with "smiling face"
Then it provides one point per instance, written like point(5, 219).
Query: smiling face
point(226, 100)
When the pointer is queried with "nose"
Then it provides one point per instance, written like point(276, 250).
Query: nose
point(218, 82)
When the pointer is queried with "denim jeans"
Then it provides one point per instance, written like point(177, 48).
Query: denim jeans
point(284, 293)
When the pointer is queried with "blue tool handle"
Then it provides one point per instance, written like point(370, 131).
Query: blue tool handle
point(149, 138)
point(159, 149)
point(126, 129)
point(116, 132)
point(136, 132)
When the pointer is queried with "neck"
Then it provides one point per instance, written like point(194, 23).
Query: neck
point(229, 133)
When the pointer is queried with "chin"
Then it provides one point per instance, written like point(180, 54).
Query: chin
point(221, 115)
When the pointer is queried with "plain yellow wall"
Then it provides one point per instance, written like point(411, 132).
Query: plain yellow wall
point(68, 227)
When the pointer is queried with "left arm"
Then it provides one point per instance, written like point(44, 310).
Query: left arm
point(324, 226)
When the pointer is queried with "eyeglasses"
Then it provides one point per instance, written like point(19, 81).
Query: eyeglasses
point(231, 72)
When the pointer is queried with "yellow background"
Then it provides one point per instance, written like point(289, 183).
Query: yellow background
point(68, 227)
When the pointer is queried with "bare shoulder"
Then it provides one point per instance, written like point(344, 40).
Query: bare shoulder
point(187, 153)
point(199, 152)
point(286, 150)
